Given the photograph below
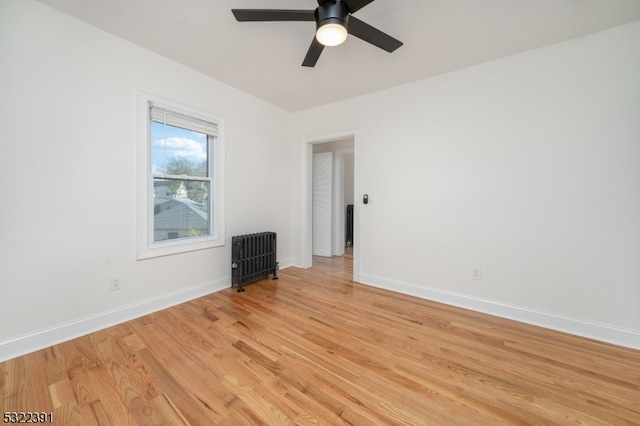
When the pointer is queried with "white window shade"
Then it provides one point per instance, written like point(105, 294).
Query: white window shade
point(161, 114)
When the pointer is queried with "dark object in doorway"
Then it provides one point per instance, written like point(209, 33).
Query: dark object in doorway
point(253, 257)
point(349, 226)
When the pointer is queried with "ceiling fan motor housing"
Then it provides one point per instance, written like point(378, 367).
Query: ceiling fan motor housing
point(332, 13)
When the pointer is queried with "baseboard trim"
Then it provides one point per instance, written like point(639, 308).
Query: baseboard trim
point(40, 339)
point(288, 262)
point(589, 329)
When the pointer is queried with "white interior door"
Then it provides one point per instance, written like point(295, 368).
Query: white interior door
point(322, 206)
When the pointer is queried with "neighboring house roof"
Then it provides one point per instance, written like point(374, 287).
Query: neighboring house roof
point(180, 213)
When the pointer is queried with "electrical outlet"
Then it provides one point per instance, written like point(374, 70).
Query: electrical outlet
point(476, 273)
point(116, 282)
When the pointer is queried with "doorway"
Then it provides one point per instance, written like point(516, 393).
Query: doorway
point(328, 201)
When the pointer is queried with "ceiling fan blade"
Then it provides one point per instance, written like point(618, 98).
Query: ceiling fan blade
point(372, 35)
point(313, 53)
point(248, 15)
point(355, 5)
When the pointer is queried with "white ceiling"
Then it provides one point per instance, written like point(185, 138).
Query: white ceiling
point(263, 58)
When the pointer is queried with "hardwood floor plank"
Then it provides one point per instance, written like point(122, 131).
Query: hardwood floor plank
point(83, 389)
point(37, 382)
point(109, 409)
point(126, 358)
point(15, 389)
point(62, 393)
point(79, 352)
point(168, 411)
point(261, 408)
point(71, 414)
point(186, 404)
point(52, 362)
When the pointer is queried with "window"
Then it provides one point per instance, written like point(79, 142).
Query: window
point(180, 183)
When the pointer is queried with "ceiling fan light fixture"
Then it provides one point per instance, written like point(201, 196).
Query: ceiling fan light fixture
point(331, 34)
point(333, 21)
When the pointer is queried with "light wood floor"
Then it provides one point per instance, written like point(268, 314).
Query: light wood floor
point(316, 348)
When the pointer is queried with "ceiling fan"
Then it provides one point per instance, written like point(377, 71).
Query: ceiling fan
point(333, 20)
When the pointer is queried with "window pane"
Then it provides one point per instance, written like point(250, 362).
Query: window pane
point(176, 151)
point(180, 209)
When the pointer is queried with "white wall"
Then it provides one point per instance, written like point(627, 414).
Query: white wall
point(528, 167)
point(68, 178)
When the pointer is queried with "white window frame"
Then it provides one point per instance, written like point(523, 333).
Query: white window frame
point(146, 246)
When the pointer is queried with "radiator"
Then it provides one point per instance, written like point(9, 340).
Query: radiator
point(253, 257)
point(349, 227)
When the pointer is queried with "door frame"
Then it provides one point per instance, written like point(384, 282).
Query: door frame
point(307, 197)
